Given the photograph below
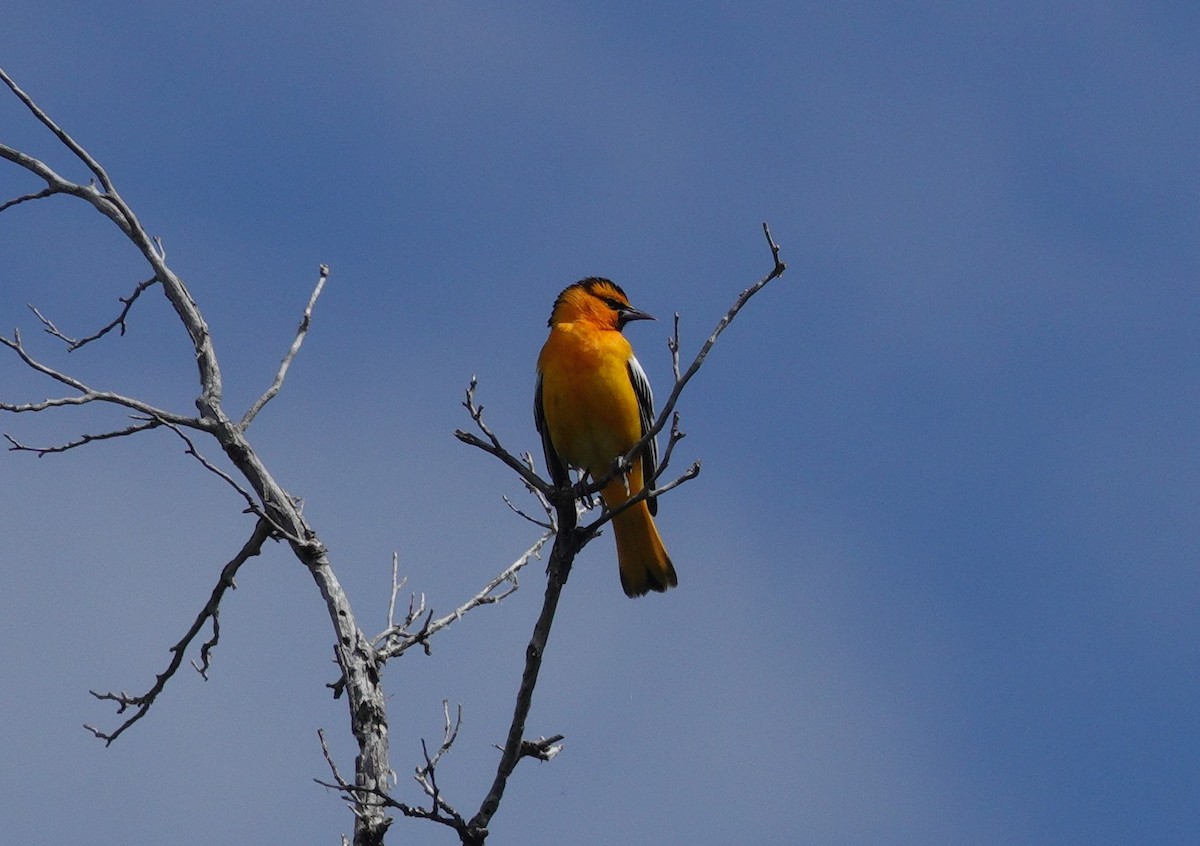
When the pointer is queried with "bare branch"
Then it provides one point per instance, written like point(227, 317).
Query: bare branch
point(356, 795)
point(279, 511)
point(86, 394)
point(56, 184)
point(144, 426)
point(117, 323)
point(66, 140)
point(676, 436)
point(110, 203)
point(397, 584)
point(492, 444)
point(645, 493)
point(544, 748)
point(673, 346)
point(547, 525)
point(449, 735)
point(426, 775)
point(36, 195)
point(567, 543)
point(356, 799)
point(396, 639)
point(141, 704)
point(252, 505)
point(337, 776)
point(57, 402)
point(780, 267)
point(301, 332)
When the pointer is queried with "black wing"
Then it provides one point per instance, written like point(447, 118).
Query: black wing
point(555, 465)
point(645, 400)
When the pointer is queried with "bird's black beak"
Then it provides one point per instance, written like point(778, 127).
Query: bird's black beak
point(629, 313)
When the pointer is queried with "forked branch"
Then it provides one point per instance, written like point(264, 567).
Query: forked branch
point(398, 637)
point(280, 513)
point(117, 323)
point(84, 393)
point(142, 703)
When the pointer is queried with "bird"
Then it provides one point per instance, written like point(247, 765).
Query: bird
point(592, 403)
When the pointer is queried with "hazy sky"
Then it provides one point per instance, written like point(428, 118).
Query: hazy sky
point(938, 577)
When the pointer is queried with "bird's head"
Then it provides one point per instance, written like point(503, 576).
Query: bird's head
point(598, 301)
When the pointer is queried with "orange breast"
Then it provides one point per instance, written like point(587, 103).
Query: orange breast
point(587, 399)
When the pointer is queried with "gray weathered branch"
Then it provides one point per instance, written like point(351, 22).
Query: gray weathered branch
point(277, 509)
point(289, 357)
point(142, 703)
point(396, 639)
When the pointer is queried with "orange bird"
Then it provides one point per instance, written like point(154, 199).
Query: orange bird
point(591, 405)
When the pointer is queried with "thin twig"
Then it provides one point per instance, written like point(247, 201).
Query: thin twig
point(141, 704)
point(83, 439)
point(567, 544)
point(426, 775)
point(673, 346)
point(395, 640)
point(86, 394)
point(397, 584)
point(252, 505)
point(449, 734)
point(356, 795)
point(36, 195)
point(675, 437)
point(549, 523)
point(545, 524)
point(492, 444)
point(289, 357)
point(117, 323)
point(66, 140)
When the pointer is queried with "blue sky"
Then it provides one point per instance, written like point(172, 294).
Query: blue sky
point(938, 577)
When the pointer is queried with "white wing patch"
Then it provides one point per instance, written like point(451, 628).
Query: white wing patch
point(645, 400)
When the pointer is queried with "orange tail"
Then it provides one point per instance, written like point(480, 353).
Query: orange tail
point(643, 561)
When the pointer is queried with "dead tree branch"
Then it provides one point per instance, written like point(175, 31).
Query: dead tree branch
point(25, 198)
point(279, 512)
point(211, 611)
point(85, 394)
point(492, 445)
point(117, 323)
point(289, 357)
point(567, 545)
point(426, 775)
point(439, 810)
point(397, 639)
point(83, 440)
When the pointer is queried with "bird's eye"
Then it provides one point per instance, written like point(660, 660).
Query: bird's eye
point(615, 305)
